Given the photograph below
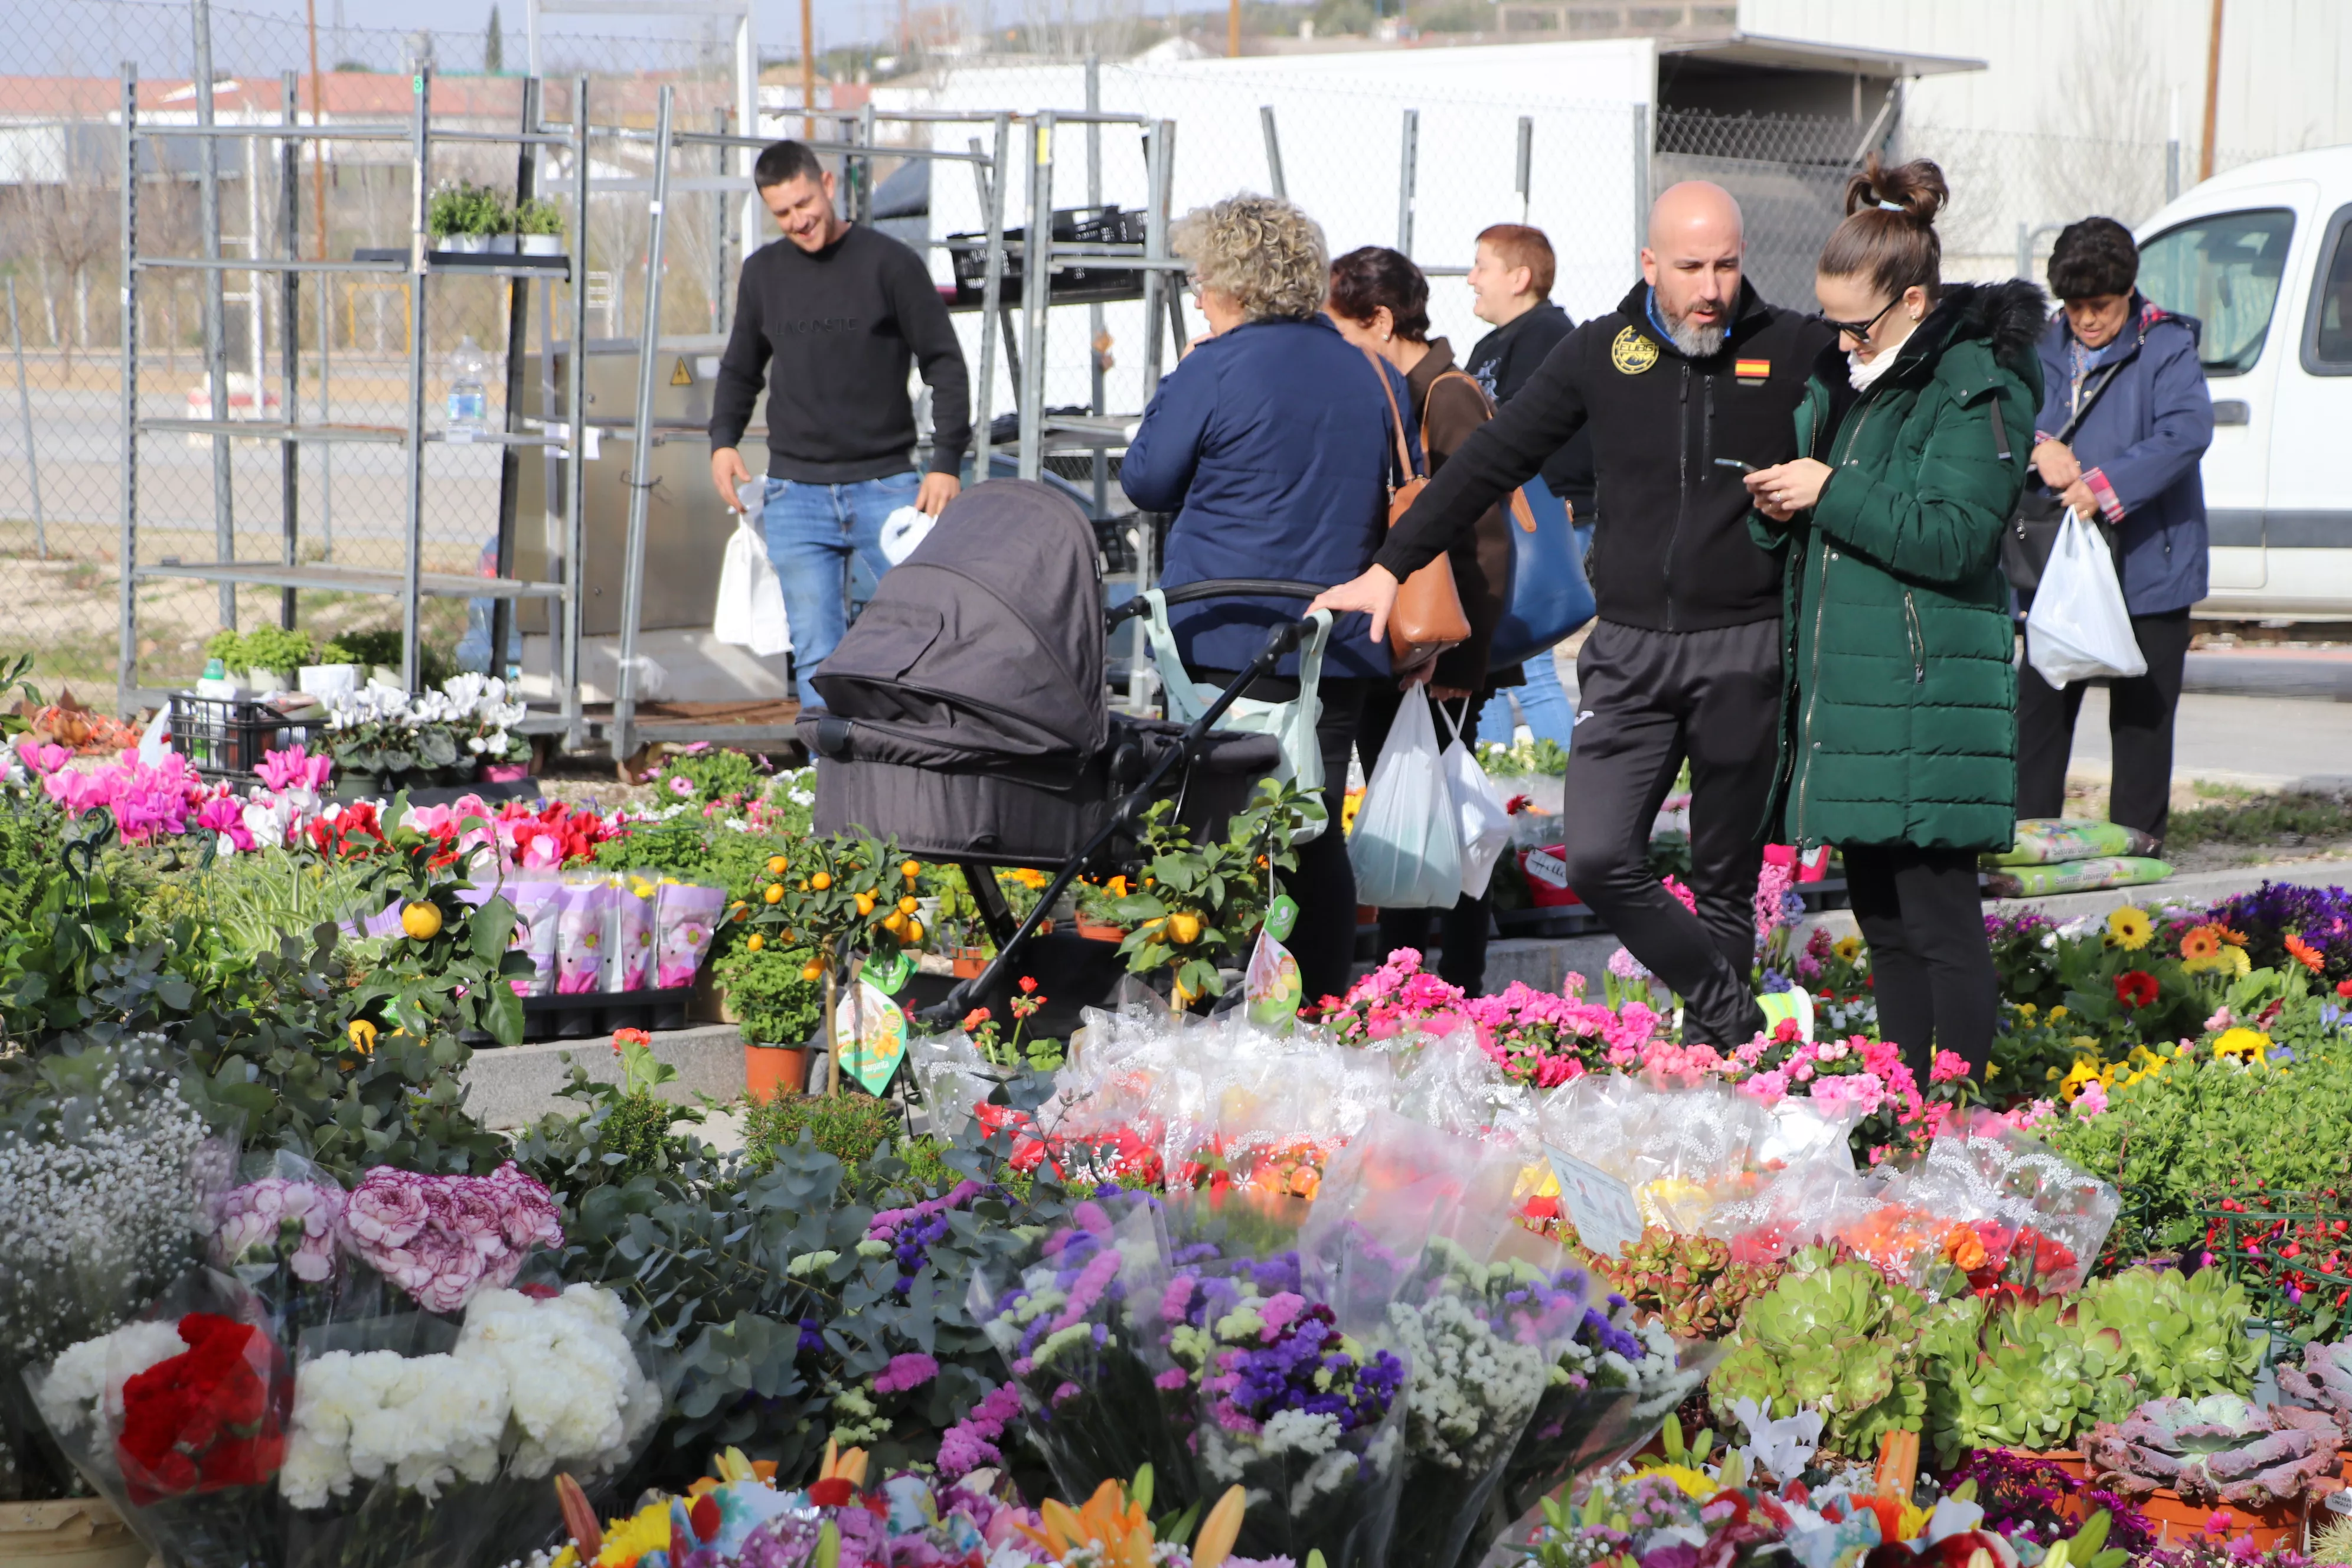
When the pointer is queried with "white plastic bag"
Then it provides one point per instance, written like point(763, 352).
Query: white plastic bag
point(750, 612)
point(1407, 846)
point(1484, 824)
point(2078, 628)
point(902, 531)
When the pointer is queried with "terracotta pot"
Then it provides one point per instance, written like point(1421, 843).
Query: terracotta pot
point(1102, 934)
point(2070, 1460)
point(968, 963)
point(2278, 1525)
point(78, 1532)
point(772, 1070)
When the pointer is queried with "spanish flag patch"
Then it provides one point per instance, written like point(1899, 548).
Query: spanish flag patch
point(1751, 369)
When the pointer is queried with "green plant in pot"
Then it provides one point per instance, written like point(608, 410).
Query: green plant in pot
point(539, 225)
point(464, 217)
point(770, 1000)
point(2182, 1336)
point(2023, 1375)
point(1840, 1340)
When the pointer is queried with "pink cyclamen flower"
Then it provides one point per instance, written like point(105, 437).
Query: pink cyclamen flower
point(1949, 1067)
point(681, 786)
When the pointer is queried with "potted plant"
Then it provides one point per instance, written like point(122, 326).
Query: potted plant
point(1201, 902)
point(839, 897)
point(539, 227)
point(463, 218)
point(2218, 1454)
point(767, 991)
point(337, 670)
point(1097, 910)
point(272, 655)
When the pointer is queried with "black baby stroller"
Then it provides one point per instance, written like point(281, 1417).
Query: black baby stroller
point(966, 715)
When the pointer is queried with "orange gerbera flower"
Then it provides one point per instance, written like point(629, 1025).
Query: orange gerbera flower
point(2305, 953)
point(2201, 941)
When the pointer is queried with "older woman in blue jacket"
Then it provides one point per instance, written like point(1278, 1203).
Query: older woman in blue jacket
point(2131, 464)
point(1271, 442)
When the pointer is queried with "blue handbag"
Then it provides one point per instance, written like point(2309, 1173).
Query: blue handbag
point(1549, 597)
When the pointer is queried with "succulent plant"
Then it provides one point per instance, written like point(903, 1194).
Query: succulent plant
point(2323, 1382)
point(1840, 1340)
point(1689, 1283)
point(2021, 1373)
point(2183, 1337)
point(2217, 1449)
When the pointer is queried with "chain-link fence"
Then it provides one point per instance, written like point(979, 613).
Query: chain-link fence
point(1342, 140)
point(60, 249)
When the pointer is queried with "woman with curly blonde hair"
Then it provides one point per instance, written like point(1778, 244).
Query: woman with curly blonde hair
point(1271, 444)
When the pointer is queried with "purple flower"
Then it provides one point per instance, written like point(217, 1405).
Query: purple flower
point(275, 1218)
point(388, 1208)
point(906, 1371)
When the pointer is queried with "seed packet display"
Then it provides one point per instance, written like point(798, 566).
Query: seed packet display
point(537, 907)
point(684, 916)
point(629, 952)
point(584, 911)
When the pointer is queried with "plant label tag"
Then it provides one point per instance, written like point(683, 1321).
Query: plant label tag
point(887, 974)
point(869, 1036)
point(1547, 868)
point(1281, 916)
point(1601, 1206)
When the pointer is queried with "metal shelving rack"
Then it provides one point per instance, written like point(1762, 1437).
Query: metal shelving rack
point(420, 266)
point(1041, 254)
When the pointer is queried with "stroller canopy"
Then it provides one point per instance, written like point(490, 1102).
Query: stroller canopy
point(986, 646)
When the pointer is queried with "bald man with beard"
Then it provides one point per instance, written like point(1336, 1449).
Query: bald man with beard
point(1690, 382)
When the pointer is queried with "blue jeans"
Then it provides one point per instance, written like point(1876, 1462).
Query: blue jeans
point(826, 543)
point(1543, 701)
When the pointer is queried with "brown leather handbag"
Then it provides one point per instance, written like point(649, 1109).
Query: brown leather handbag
point(1427, 618)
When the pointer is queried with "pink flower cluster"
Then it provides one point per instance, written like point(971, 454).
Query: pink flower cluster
point(441, 1238)
point(906, 1371)
point(1538, 1036)
point(274, 1218)
point(543, 838)
point(970, 1443)
point(146, 801)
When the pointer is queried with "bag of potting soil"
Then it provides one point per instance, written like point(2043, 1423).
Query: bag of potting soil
point(684, 916)
point(584, 912)
point(2050, 840)
point(2076, 876)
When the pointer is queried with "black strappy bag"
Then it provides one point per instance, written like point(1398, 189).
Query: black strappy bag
point(2032, 529)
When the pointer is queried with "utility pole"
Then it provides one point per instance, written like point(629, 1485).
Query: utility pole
point(808, 73)
point(1233, 29)
point(2213, 94)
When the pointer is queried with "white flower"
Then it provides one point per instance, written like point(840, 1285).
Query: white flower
point(1300, 1431)
point(71, 1388)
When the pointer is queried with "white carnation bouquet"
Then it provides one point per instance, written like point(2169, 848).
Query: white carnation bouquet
point(397, 1449)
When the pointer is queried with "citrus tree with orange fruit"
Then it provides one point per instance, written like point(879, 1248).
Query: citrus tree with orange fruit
point(1195, 904)
point(838, 897)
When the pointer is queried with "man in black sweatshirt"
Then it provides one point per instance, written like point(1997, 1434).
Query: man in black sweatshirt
point(836, 315)
point(1687, 383)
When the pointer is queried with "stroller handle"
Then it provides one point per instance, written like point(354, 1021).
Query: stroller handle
point(1220, 588)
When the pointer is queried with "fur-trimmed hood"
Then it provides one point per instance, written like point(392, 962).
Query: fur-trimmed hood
point(2007, 318)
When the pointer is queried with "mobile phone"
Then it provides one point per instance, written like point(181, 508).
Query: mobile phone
point(1734, 463)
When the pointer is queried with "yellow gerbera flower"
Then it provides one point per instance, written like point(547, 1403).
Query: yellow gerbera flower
point(2129, 929)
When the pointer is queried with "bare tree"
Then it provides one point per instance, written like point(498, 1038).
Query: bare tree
point(73, 225)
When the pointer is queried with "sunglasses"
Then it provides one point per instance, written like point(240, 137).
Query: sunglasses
point(1859, 331)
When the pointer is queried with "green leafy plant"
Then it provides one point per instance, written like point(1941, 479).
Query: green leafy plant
point(536, 214)
point(2179, 1335)
point(764, 990)
point(1522, 758)
point(1199, 902)
point(1688, 1282)
point(1042, 1056)
point(714, 774)
point(275, 649)
point(847, 1126)
point(1841, 1340)
point(370, 649)
point(2023, 1375)
point(466, 208)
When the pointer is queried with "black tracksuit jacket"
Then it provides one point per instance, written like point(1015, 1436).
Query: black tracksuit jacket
point(1672, 552)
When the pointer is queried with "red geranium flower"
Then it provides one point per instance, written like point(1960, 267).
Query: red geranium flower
point(2136, 988)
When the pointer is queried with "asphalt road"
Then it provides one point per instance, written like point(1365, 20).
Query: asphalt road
point(2260, 742)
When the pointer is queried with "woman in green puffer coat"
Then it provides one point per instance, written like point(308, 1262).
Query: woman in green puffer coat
point(1898, 733)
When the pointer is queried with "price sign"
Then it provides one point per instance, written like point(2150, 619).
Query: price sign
point(1601, 1206)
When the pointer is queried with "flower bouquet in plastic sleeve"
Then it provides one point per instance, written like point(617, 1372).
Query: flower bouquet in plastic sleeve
point(279, 1231)
point(178, 1418)
point(1283, 1395)
point(1063, 1316)
point(441, 1238)
point(2030, 1217)
point(414, 1437)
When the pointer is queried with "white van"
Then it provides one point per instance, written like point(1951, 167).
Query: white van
point(2263, 256)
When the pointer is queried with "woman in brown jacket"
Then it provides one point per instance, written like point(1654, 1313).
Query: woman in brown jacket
point(1379, 302)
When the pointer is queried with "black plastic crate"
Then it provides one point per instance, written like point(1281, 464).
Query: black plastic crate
point(1076, 226)
point(226, 737)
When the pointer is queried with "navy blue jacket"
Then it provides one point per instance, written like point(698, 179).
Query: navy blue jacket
point(1271, 445)
point(2139, 448)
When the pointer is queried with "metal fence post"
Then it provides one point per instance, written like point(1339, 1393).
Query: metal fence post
point(563, 651)
point(991, 178)
point(1156, 280)
point(289, 339)
point(215, 310)
point(641, 452)
point(1640, 175)
point(1037, 287)
point(1527, 163)
point(1273, 150)
point(1100, 465)
point(24, 414)
point(420, 170)
point(1408, 156)
point(126, 559)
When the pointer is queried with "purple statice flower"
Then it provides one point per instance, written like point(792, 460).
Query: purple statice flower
point(812, 1337)
point(906, 1371)
point(1306, 1365)
point(970, 1443)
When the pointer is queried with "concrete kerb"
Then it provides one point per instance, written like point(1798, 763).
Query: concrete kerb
point(510, 1087)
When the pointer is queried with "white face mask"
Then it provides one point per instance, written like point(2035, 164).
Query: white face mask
point(1862, 374)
